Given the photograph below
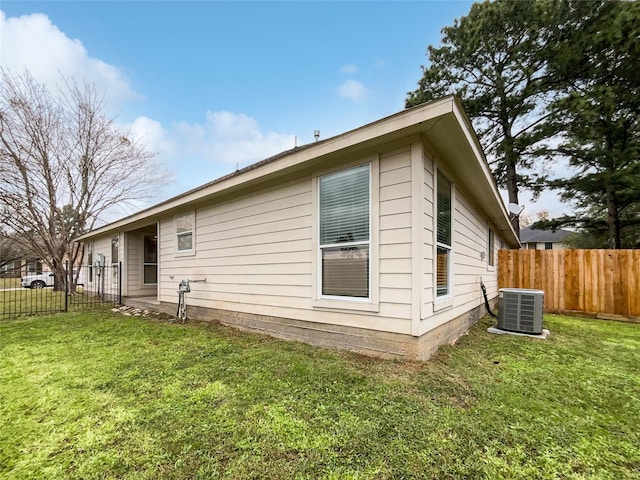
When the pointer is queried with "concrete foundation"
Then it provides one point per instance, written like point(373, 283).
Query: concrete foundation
point(367, 342)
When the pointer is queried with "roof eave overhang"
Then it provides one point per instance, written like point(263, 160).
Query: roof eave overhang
point(435, 120)
point(458, 147)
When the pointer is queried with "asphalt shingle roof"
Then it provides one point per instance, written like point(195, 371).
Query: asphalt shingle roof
point(528, 235)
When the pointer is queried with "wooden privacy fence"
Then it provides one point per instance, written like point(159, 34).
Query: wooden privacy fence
point(592, 281)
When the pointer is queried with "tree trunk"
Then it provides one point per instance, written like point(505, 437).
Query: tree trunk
point(77, 257)
point(613, 219)
point(58, 275)
point(511, 160)
point(512, 189)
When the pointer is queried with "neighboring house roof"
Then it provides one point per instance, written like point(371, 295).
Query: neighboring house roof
point(531, 235)
point(442, 123)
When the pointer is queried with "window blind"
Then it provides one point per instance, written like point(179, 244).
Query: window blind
point(344, 206)
point(442, 272)
point(345, 271)
point(444, 210)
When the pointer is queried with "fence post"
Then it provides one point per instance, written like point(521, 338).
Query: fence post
point(66, 286)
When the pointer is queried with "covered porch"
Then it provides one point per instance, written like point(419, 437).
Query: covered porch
point(140, 266)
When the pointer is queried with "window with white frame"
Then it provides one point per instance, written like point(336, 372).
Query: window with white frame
point(90, 261)
point(443, 237)
point(150, 259)
point(115, 257)
point(491, 261)
point(344, 228)
point(184, 232)
point(34, 266)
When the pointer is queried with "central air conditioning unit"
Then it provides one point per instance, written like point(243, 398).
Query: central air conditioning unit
point(520, 310)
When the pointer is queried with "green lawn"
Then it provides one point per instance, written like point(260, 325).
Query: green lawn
point(100, 395)
point(26, 301)
point(9, 282)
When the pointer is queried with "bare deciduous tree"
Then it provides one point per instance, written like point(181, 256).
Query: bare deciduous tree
point(524, 219)
point(10, 252)
point(63, 163)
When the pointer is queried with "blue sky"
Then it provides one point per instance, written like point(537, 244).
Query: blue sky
point(215, 85)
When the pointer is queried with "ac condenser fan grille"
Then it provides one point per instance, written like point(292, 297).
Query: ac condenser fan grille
point(520, 310)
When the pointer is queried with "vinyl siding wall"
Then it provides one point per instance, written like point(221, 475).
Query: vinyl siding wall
point(428, 238)
point(259, 256)
point(470, 238)
point(257, 252)
point(543, 246)
point(102, 245)
point(253, 251)
point(395, 236)
point(132, 272)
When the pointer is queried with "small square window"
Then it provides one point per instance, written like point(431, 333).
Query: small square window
point(184, 232)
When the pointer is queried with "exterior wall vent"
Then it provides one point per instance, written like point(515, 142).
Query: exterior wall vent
point(520, 310)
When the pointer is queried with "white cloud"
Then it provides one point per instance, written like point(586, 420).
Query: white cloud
point(350, 69)
point(156, 138)
point(32, 42)
point(197, 153)
point(380, 63)
point(229, 138)
point(194, 152)
point(353, 90)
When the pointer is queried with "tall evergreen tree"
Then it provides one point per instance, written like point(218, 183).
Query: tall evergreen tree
point(599, 117)
point(495, 59)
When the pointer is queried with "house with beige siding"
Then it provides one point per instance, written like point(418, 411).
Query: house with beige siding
point(534, 239)
point(375, 240)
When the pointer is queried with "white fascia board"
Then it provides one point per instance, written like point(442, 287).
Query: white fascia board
point(474, 143)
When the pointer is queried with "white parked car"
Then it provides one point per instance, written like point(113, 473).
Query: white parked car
point(44, 279)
